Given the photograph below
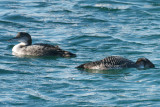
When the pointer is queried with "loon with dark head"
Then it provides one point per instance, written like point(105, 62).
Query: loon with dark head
point(25, 47)
point(117, 62)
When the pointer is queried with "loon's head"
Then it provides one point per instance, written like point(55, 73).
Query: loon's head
point(23, 37)
point(144, 63)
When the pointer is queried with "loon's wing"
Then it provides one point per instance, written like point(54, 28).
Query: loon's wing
point(116, 60)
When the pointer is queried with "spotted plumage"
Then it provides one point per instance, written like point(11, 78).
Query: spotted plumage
point(117, 62)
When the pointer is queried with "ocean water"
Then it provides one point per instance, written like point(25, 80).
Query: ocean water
point(92, 29)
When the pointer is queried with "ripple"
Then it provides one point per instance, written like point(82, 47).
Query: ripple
point(10, 24)
point(93, 20)
point(106, 7)
point(35, 95)
point(61, 11)
point(4, 71)
point(18, 17)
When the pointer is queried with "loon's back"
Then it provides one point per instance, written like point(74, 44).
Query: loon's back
point(44, 50)
point(111, 62)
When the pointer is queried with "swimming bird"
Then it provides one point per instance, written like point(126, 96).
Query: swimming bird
point(117, 62)
point(25, 47)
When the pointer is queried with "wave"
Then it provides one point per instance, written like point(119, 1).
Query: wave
point(18, 17)
point(106, 7)
point(112, 6)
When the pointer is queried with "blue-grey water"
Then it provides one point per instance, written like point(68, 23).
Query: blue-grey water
point(92, 29)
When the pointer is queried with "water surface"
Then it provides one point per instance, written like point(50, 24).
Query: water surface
point(92, 30)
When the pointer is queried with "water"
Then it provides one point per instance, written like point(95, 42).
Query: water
point(92, 30)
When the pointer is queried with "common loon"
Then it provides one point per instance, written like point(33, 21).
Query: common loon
point(25, 47)
point(117, 62)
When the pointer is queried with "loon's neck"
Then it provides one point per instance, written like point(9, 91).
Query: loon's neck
point(23, 44)
point(19, 46)
point(140, 66)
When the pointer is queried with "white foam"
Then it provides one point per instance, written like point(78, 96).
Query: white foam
point(110, 6)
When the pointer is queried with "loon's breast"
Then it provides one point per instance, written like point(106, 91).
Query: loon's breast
point(41, 50)
point(111, 62)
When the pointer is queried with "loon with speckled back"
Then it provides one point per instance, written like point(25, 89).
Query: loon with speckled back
point(117, 62)
point(25, 47)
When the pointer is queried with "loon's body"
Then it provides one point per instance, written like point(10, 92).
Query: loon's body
point(117, 62)
point(26, 48)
